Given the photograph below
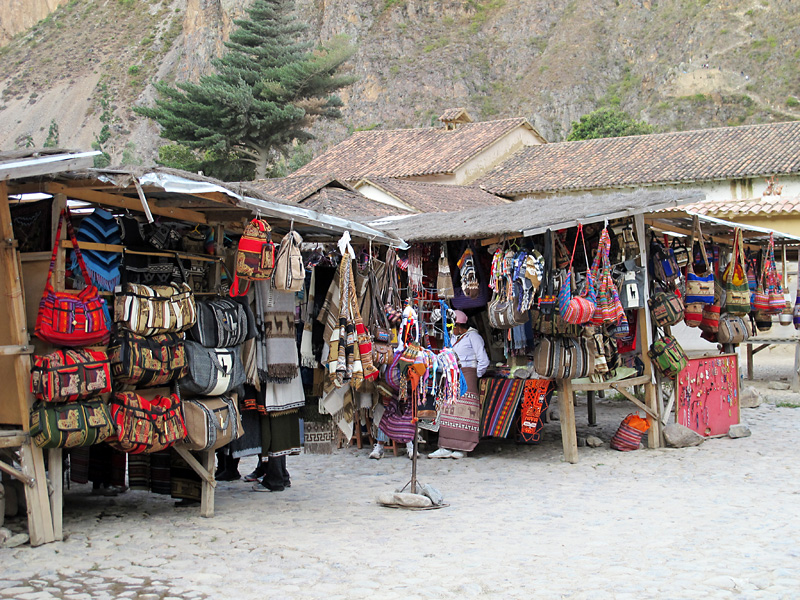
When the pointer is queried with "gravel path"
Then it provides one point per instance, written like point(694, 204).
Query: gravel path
point(716, 521)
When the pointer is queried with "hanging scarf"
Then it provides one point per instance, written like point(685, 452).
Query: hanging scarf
point(276, 343)
point(307, 358)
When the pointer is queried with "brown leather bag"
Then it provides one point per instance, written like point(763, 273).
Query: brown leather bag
point(211, 423)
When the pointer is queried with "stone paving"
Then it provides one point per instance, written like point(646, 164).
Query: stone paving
point(719, 520)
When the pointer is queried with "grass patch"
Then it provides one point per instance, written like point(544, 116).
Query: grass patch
point(787, 404)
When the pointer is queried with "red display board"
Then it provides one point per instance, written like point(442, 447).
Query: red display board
point(708, 394)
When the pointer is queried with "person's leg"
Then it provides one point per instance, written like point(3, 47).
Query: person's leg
point(287, 480)
point(273, 475)
point(258, 472)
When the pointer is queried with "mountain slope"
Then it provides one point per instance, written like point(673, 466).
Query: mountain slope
point(679, 64)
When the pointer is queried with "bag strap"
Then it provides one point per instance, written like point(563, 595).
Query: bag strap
point(65, 218)
point(697, 230)
point(548, 264)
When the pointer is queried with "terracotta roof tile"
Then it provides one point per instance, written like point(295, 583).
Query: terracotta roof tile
point(408, 152)
point(702, 155)
point(349, 205)
point(436, 197)
point(766, 205)
point(296, 188)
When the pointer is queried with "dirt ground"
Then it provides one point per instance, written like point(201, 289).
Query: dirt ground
point(715, 521)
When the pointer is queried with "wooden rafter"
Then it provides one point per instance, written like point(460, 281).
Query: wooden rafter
point(125, 202)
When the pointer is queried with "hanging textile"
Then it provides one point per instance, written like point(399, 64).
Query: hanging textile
point(276, 344)
point(307, 358)
point(535, 399)
point(99, 227)
point(500, 399)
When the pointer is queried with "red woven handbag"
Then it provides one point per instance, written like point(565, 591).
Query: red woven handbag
point(255, 256)
point(577, 309)
point(67, 318)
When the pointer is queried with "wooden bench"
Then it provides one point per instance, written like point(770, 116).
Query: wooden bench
point(765, 343)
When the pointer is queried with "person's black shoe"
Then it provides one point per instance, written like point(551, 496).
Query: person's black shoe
point(185, 503)
point(257, 474)
point(260, 487)
point(228, 476)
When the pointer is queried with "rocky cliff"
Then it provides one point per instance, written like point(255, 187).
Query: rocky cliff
point(679, 64)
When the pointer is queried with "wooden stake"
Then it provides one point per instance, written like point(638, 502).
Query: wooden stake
point(207, 498)
point(57, 497)
point(569, 436)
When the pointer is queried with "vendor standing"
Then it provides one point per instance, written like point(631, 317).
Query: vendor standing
point(459, 422)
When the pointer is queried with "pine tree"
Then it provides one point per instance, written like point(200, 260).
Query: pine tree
point(268, 89)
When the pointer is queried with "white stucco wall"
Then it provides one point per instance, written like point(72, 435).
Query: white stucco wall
point(481, 163)
point(378, 195)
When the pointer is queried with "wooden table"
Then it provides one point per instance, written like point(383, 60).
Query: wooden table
point(765, 343)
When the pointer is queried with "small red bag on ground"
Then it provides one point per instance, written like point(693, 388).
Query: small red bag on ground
point(629, 434)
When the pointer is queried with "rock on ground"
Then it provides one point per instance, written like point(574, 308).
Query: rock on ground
point(750, 398)
point(739, 431)
point(680, 436)
point(594, 442)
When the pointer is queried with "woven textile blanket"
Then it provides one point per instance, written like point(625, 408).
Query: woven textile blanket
point(500, 399)
point(535, 400)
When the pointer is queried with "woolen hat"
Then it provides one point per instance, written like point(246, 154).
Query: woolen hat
point(461, 316)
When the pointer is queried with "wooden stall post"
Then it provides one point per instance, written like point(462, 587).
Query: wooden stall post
point(566, 412)
point(40, 523)
point(56, 472)
point(644, 325)
point(207, 493)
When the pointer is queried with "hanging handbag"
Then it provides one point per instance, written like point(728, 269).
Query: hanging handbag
point(211, 423)
point(668, 356)
point(786, 317)
point(775, 297)
point(737, 291)
point(444, 280)
point(70, 425)
point(470, 284)
point(70, 374)
point(223, 322)
point(151, 310)
point(255, 256)
point(546, 302)
point(699, 287)
point(609, 308)
point(146, 426)
point(710, 319)
point(679, 253)
point(577, 309)
point(693, 314)
point(631, 281)
point(733, 330)
point(666, 307)
point(564, 358)
point(146, 361)
point(67, 318)
point(762, 320)
point(290, 274)
point(665, 269)
point(211, 371)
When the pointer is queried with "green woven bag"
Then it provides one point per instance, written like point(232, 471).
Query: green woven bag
point(70, 425)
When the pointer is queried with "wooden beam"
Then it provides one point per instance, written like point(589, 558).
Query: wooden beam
point(16, 474)
point(40, 520)
point(12, 439)
point(118, 201)
point(207, 490)
point(500, 238)
point(67, 244)
point(56, 473)
point(11, 350)
point(621, 389)
point(205, 475)
point(566, 413)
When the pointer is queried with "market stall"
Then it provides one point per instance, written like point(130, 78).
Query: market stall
point(138, 339)
point(643, 284)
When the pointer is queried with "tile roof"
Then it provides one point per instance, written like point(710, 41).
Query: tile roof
point(409, 152)
point(764, 206)
point(436, 197)
point(296, 188)
point(686, 156)
point(349, 205)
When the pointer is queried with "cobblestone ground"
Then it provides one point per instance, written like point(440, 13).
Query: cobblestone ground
point(716, 521)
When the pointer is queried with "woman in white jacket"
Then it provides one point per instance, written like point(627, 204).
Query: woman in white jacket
point(459, 423)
